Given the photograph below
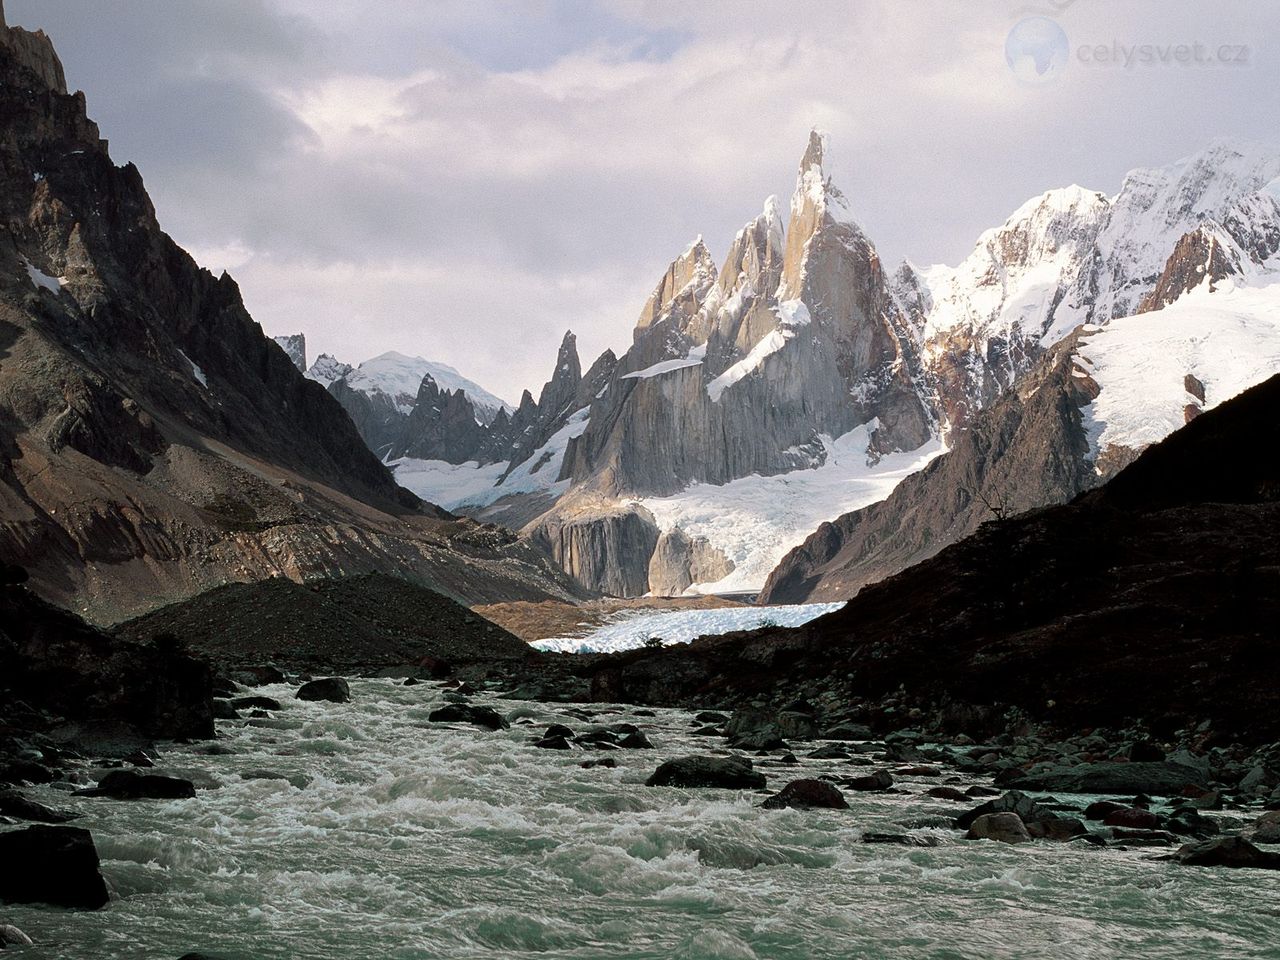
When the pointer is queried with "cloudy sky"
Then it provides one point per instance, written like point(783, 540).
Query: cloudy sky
point(465, 180)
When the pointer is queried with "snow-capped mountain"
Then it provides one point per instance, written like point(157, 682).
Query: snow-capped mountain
point(382, 395)
point(800, 380)
point(1202, 325)
point(398, 377)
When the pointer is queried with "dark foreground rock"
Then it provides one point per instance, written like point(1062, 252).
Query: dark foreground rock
point(332, 689)
point(732, 773)
point(54, 865)
point(1227, 852)
point(806, 795)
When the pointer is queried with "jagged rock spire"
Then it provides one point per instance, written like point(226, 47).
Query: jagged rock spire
point(810, 209)
point(682, 287)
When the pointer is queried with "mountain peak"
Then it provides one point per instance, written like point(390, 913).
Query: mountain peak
point(33, 52)
point(813, 185)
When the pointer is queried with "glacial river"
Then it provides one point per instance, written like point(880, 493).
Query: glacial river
point(406, 840)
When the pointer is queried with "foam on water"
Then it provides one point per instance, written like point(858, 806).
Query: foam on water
point(413, 840)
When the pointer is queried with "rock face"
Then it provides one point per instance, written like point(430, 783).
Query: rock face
point(153, 442)
point(54, 865)
point(738, 371)
point(1093, 613)
point(741, 371)
point(1028, 449)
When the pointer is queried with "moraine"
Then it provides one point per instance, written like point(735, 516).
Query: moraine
point(418, 840)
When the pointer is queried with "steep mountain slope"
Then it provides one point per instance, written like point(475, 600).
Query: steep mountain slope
point(1108, 609)
point(1086, 410)
point(152, 441)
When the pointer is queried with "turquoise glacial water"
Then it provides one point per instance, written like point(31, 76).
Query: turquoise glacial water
point(405, 840)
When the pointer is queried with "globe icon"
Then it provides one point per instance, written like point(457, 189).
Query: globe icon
point(1036, 50)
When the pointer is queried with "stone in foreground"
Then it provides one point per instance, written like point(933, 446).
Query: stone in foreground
point(732, 773)
point(54, 865)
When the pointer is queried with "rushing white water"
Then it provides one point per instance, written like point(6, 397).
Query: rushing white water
point(413, 840)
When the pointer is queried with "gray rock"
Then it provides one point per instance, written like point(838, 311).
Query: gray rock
point(1004, 827)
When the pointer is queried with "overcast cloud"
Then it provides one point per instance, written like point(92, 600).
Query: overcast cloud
point(466, 180)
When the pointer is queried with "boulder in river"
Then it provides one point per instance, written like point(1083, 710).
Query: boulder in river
point(1005, 827)
point(486, 717)
point(1227, 852)
point(880, 780)
point(54, 865)
point(733, 773)
point(332, 689)
point(11, 936)
point(806, 795)
point(553, 743)
point(1028, 811)
point(14, 804)
point(131, 785)
point(754, 729)
point(1133, 818)
point(1266, 829)
point(1165, 779)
